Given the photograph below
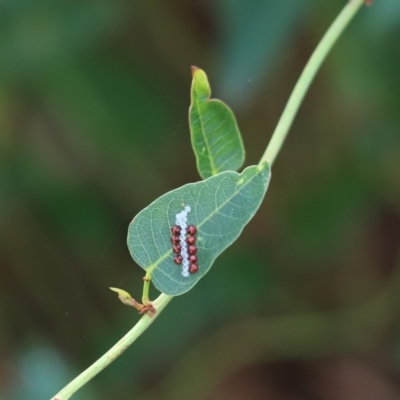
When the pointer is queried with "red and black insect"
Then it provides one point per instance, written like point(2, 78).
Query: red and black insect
point(193, 268)
point(187, 255)
point(176, 230)
point(191, 230)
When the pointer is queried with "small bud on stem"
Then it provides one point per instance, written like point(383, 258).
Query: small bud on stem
point(128, 300)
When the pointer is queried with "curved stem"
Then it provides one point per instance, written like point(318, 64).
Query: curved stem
point(115, 351)
point(304, 82)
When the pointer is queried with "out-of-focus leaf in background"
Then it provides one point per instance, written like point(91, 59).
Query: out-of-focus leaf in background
point(37, 33)
point(35, 368)
point(254, 36)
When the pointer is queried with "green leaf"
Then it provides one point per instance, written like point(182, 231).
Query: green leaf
point(220, 208)
point(216, 139)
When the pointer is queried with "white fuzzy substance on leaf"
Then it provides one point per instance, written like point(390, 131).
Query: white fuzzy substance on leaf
point(181, 221)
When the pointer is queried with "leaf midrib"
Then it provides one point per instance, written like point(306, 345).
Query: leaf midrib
point(213, 169)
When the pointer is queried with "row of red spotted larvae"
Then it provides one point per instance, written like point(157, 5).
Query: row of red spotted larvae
point(188, 255)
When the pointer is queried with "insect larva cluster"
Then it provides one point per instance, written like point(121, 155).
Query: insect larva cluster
point(183, 239)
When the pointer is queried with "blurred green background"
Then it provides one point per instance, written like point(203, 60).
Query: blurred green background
point(93, 124)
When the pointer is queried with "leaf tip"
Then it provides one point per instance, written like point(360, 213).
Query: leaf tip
point(121, 293)
point(127, 299)
point(194, 69)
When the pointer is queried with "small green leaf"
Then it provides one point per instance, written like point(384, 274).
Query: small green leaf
point(216, 139)
point(220, 208)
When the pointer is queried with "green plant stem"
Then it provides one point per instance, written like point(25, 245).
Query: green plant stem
point(146, 288)
point(115, 351)
point(307, 76)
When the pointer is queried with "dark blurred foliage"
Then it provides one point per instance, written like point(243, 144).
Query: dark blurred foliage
point(93, 122)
